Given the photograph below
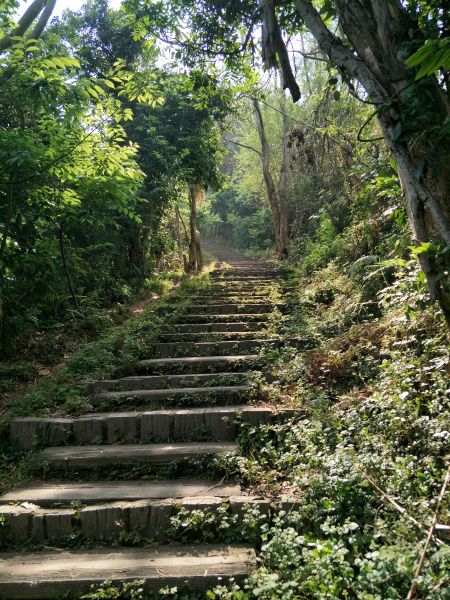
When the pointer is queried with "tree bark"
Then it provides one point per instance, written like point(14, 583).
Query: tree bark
point(278, 208)
point(179, 239)
point(373, 29)
point(36, 8)
point(195, 260)
point(66, 268)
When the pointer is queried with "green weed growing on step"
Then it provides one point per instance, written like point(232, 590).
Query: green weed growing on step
point(132, 590)
point(219, 524)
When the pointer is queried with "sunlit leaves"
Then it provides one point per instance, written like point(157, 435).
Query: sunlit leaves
point(429, 58)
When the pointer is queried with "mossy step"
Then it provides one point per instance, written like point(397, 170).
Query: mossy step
point(257, 272)
point(227, 293)
point(232, 300)
point(64, 493)
point(213, 327)
point(156, 382)
point(239, 278)
point(180, 349)
point(179, 425)
point(237, 287)
point(190, 396)
point(211, 336)
point(105, 520)
point(51, 575)
point(233, 308)
point(198, 364)
point(199, 319)
point(63, 458)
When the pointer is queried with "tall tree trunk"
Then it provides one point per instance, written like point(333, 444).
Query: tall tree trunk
point(179, 239)
point(195, 261)
point(66, 268)
point(376, 30)
point(27, 25)
point(278, 208)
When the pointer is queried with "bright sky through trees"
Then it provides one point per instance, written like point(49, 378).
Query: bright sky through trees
point(62, 5)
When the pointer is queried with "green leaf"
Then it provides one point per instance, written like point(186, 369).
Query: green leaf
point(424, 247)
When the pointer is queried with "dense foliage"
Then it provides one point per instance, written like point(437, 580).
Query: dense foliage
point(92, 161)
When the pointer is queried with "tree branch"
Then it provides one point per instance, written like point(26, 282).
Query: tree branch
point(25, 22)
point(412, 590)
point(401, 510)
point(43, 20)
point(243, 146)
point(332, 46)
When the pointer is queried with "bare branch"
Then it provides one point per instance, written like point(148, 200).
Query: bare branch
point(243, 146)
point(401, 510)
point(412, 590)
point(43, 20)
point(25, 22)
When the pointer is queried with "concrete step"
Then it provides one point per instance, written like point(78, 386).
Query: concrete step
point(82, 458)
point(64, 493)
point(226, 293)
point(199, 319)
point(180, 425)
point(51, 575)
point(211, 336)
point(102, 520)
point(212, 327)
point(187, 396)
point(198, 364)
point(240, 278)
point(232, 308)
point(156, 382)
point(233, 299)
point(180, 349)
point(246, 272)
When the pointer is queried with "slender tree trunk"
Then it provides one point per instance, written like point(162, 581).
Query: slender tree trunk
point(195, 261)
point(66, 268)
point(44, 8)
point(279, 217)
point(178, 230)
point(8, 220)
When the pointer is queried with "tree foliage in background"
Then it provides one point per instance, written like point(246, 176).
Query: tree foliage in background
point(368, 43)
point(97, 142)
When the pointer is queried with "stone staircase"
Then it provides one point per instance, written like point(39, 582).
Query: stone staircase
point(126, 467)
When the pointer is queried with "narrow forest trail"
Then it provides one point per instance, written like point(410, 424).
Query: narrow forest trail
point(94, 474)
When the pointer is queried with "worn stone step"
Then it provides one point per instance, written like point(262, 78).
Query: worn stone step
point(50, 575)
point(236, 287)
point(233, 308)
point(233, 299)
point(195, 396)
point(179, 425)
point(198, 364)
point(180, 349)
point(226, 293)
point(240, 279)
point(197, 318)
point(247, 271)
point(212, 327)
point(211, 336)
point(64, 493)
point(156, 382)
point(63, 458)
point(105, 520)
